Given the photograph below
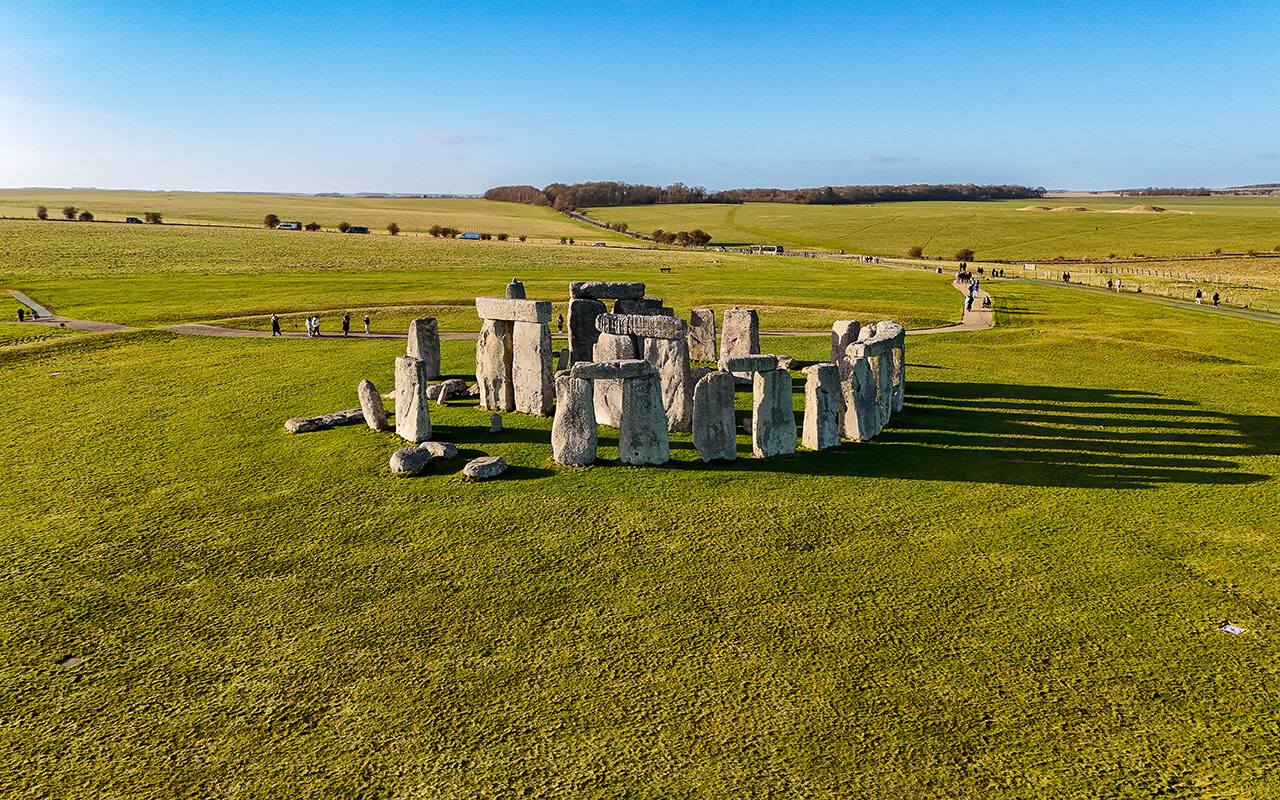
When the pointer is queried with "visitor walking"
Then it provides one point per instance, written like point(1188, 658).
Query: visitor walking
point(21, 313)
point(560, 322)
point(1199, 294)
point(275, 325)
point(306, 322)
point(366, 323)
point(346, 324)
point(1215, 299)
point(315, 326)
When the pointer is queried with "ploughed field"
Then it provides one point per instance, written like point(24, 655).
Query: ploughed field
point(1015, 590)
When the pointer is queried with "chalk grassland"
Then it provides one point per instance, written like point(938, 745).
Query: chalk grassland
point(994, 230)
point(148, 275)
point(413, 215)
point(1015, 591)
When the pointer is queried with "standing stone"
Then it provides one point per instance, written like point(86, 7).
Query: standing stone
point(424, 344)
point(582, 327)
point(413, 413)
point(495, 423)
point(773, 430)
point(608, 393)
point(493, 366)
point(883, 369)
point(562, 360)
point(515, 290)
point(859, 414)
point(670, 357)
point(821, 407)
point(573, 432)
point(702, 335)
point(642, 432)
point(843, 334)
point(713, 430)
point(375, 413)
point(740, 335)
point(531, 368)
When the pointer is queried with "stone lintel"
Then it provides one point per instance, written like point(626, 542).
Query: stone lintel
point(612, 370)
point(606, 290)
point(756, 363)
point(513, 310)
point(648, 327)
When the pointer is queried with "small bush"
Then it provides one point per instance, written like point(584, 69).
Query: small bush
point(393, 228)
point(42, 212)
point(964, 254)
point(916, 251)
point(153, 217)
point(85, 216)
point(435, 230)
point(523, 237)
point(312, 226)
point(69, 212)
point(502, 237)
point(270, 221)
point(344, 226)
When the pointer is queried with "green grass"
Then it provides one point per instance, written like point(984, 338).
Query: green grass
point(994, 230)
point(1014, 591)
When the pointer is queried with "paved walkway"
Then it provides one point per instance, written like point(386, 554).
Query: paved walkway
point(978, 319)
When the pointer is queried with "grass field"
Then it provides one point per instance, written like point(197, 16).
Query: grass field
point(994, 230)
point(1015, 591)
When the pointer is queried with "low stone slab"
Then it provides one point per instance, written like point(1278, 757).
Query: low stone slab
point(513, 310)
point(485, 467)
point(611, 370)
point(325, 421)
point(759, 363)
point(606, 290)
point(410, 461)
point(441, 450)
point(648, 327)
point(372, 407)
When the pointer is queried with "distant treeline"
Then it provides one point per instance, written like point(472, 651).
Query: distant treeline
point(1153, 192)
point(565, 197)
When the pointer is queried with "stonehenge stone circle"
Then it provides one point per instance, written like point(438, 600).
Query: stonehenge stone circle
point(573, 431)
point(702, 334)
point(424, 344)
point(714, 433)
point(821, 427)
point(513, 310)
point(413, 414)
point(773, 429)
point(372, 407)
point(517, 355)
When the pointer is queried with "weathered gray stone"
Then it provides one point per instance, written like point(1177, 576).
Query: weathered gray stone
point(410, 461)
point(702, 334)
point(454, 387)
point(583, 333)
point(643, 326)
point(882, 367)
point(372, 407)
point(843, 333)
point(606, 290)
point(740, 334)
point(495, 423)
point(869, 348)
point(821, 428)
point(501, 308)
point(433, 391)
point(493, 366)
point(515, 290)
point(424, 344)
point(480, 469)
point(698, 373)
point(859, 413)
point(787, 362)
point(773, 431)
point(562, 359)
point(644, 306)
point(746, 421)
point(413, 412)
point(714, 435)
point(573, 432)
point(642, 429)
point(608, 391)
point(749, 364)
point(441, 450)
point(531, 368)
point(325, 421)
point(670, 357)
point(667, 311)
point(611, 370)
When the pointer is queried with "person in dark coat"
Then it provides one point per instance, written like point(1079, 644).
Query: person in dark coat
point(346, 324)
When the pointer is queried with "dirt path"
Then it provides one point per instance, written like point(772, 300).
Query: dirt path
point(977, 319)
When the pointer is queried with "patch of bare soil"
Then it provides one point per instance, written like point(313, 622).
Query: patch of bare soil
point(1071, 208)
point(1143, 210)
point(1034, 208)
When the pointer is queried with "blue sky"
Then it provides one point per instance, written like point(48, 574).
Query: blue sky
point(458, 97)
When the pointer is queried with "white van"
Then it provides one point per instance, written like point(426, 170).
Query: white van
point(289, 226)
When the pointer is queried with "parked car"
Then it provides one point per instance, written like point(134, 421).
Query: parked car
point(470, 235)
point(133, 220)
point(289, 226)
point(599, 244)
point(357, 229)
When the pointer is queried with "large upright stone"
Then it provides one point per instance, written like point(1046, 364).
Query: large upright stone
point(424, 344)
point(642, 429)
point(532, 368)
point(515, 290)
point(606, 290)
point(375, 413)
point(714, 433)
point(740, 335)
point(647, 327)
point(670, 357)
point(413, 413)
point(773, 429)
point(573, 432)
point(821, 428)
point(608, 392)
point(493, 366)
point(583, 333)
point(702, 334)
point(843, 334)
point(859, 412)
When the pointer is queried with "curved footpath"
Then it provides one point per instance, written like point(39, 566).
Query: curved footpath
point(976, 320)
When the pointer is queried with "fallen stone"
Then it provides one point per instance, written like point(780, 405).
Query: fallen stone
point(774, 430)
point(611, 370)
point(371, 406)
point(821, 426)
point(713, 430)
point(643, 326)
point(325, 421)
point(512, 310)
point(702, 334)
point(413, 413)
point(583, 333)
point(424, 344)
point(606, 290)
point(573, 432)
point(454, 387)
point(515, 290)
point(479, 469)
point(410, 461)
point(756, 363)
point(441, 450)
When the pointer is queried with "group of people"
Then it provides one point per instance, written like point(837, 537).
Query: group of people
point(312, 325)
point(1200, 297)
